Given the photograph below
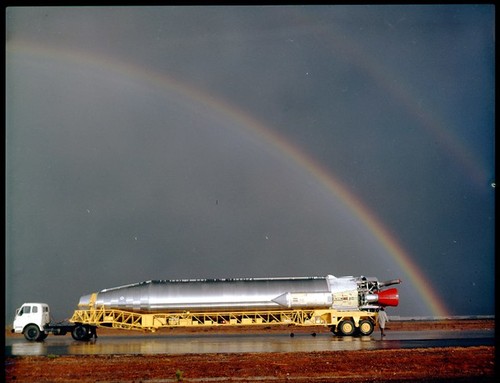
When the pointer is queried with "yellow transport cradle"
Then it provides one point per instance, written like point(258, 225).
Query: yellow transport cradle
point(340, 322)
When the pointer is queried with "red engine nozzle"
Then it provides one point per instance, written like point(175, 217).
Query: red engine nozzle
point(389, 297)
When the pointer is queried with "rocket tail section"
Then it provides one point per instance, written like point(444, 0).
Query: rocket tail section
point(389, 297)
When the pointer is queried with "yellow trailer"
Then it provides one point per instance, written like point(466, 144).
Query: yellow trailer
point(340, 322)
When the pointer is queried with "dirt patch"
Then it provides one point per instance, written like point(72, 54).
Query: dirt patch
point(474, 364)
point(462, 364)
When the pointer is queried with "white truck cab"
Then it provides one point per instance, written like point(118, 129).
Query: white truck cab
point(31, 319)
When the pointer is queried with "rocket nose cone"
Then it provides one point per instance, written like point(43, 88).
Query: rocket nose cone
point(389, 297)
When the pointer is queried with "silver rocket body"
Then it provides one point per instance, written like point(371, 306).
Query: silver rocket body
point(241, 294)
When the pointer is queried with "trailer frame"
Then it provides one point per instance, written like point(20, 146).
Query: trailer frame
point(340, 322)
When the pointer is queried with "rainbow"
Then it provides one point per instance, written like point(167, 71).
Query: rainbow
point(258, 130)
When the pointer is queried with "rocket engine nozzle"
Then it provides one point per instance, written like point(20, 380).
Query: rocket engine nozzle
point(389, 297)
point(389, 283)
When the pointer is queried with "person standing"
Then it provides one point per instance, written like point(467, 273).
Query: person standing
point(382, 319)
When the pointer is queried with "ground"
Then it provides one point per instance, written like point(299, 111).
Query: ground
point(457, 364)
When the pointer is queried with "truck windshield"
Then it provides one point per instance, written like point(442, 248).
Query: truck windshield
point(25, 310)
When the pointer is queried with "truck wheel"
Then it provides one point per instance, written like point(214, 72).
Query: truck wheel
point(346, 327)
point(80, 332)
point(366, 327)
point(32, 333)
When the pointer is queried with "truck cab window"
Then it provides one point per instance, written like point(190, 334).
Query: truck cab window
point(35, 309)
point(25, 310)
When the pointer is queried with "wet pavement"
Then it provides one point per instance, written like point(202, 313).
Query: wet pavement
point(224, 343)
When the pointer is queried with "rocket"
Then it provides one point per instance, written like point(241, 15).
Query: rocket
point(243, 294)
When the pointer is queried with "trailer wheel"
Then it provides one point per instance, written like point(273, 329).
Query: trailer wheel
point(80, 332)
point(366, 327)
point(32, 333)
point(347, 327)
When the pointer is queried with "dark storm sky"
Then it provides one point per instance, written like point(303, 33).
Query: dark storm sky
point(128, 157)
